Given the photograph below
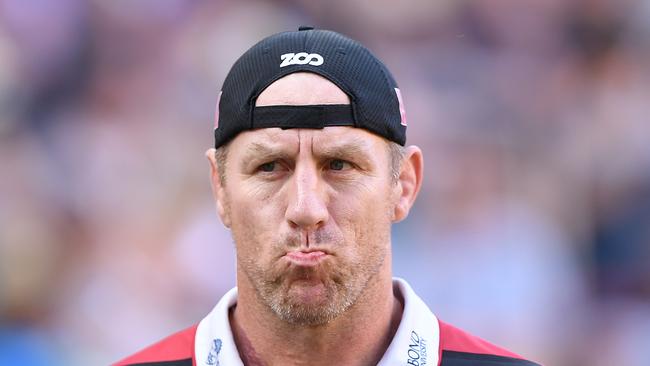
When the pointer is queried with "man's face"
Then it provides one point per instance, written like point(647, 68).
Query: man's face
point(310, 211)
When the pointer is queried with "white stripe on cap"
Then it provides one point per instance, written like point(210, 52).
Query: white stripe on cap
point(402, 109)
point(216, 112)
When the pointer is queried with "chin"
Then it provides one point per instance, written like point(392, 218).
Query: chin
point(305, 314)
point(310, 304)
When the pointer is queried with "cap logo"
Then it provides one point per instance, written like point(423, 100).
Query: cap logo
point(301, 58)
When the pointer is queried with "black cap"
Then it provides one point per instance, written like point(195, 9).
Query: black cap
point(376, 102)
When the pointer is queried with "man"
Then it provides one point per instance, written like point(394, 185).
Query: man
point(309, 173)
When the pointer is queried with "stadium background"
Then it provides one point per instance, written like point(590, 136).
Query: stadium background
point(532, 228)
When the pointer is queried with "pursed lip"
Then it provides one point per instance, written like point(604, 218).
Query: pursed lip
point(310, 257)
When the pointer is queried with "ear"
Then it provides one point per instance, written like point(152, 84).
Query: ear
point(218, 189)
point(409, 182)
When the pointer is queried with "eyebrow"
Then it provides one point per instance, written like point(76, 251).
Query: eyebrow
point(349, 150)
point(258, 150)
point(352, 150)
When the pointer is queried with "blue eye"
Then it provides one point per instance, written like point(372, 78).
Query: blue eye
point(337, 164)
point(267, 167)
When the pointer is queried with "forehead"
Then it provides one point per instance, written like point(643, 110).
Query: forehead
point(293, 141)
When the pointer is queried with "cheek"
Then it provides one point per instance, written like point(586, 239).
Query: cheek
point(362, 200)
point(363, 215)
point(254, 223)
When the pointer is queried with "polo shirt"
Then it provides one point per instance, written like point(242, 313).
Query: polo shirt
point(421, 340)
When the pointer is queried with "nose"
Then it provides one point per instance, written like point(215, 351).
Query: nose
point(307, 206)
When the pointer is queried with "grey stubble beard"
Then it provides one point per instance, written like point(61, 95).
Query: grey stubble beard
point(343, 287)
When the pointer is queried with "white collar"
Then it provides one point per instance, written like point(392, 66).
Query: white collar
point(417, 337)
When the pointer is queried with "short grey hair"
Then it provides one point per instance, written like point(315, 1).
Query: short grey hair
point(396, 152)
point(221, 155)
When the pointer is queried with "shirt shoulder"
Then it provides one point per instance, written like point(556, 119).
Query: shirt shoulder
point(175, 350)
point(459, 348)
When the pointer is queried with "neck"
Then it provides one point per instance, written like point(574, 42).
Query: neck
point(360, 336)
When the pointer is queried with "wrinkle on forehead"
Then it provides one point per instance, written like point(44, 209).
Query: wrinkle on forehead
point(302, 88)
point(316, 141)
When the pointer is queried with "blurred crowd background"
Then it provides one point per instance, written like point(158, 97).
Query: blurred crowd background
point(532, 229)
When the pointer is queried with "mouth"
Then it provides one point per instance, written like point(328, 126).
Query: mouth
point(306, 258)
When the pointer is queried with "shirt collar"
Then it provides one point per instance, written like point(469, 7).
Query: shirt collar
point(416, 341)
point(417, 338)
point(214, 344)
